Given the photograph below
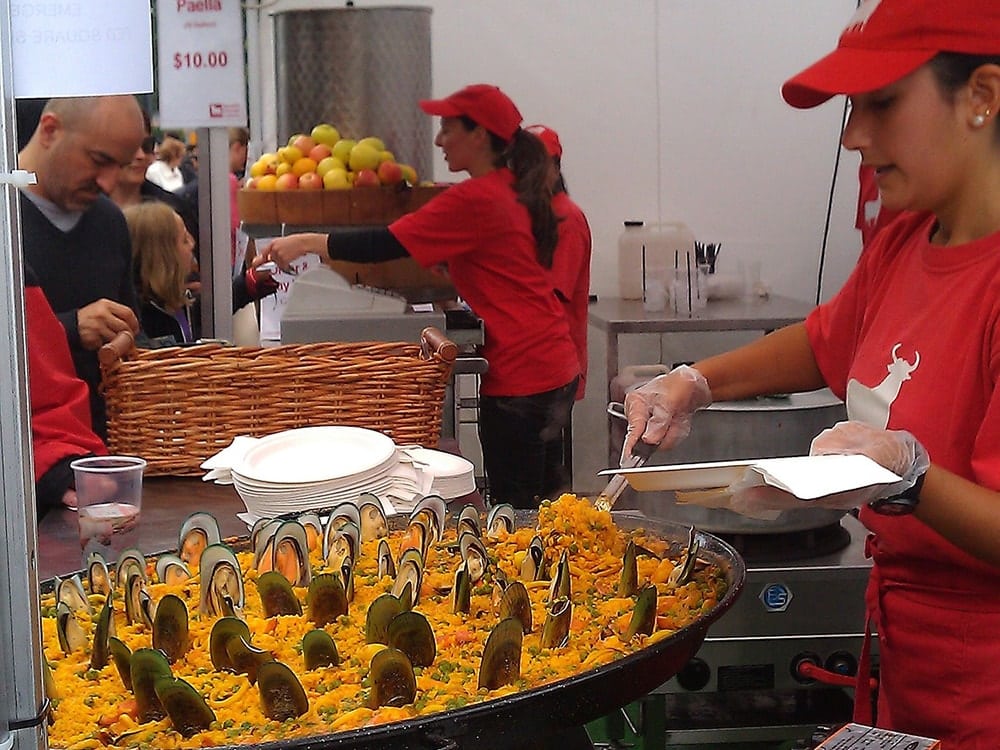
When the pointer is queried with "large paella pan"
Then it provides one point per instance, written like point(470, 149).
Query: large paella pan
point(357, 631)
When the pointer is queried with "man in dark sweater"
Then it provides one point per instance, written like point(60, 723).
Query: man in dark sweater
point(73, 237)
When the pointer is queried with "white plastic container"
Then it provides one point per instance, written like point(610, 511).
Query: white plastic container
point(651, 252)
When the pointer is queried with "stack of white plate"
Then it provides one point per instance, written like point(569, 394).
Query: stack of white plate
point(452, 476)
point(314, 467)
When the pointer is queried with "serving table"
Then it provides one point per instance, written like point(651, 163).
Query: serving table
point(166, 502)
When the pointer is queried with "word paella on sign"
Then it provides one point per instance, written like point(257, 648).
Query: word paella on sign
point(201, 77)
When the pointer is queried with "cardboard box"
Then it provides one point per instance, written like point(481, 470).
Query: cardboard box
point(859, 737)
point(365, 205)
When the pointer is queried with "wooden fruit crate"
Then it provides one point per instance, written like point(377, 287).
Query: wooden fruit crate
point(361, 205)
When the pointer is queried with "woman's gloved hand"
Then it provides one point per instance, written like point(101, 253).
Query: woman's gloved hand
point(660, 411)
point(896, 450)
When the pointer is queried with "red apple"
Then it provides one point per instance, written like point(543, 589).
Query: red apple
point(310, 181)
point(319, 152)
point(390, 173)
point(366, 178)
point(303, 143)
point(287, 181)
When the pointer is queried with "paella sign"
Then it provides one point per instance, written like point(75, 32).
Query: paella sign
point(200, 63)
point(319, 626)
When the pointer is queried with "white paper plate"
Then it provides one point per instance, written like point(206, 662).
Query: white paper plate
point(703, 476)
point(805, 477)
point(440, 463)
point(315, 454)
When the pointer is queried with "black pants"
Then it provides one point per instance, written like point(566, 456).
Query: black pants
point(522, 443)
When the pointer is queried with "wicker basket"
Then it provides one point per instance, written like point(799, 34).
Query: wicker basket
point(175, 407)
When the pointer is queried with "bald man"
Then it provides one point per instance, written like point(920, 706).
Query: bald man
point(74, 237)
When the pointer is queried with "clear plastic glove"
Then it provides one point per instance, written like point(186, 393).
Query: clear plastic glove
point(660, 411)
point(897, 450)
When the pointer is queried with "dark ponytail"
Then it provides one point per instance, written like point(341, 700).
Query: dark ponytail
point(527, 158)
point(529, 161)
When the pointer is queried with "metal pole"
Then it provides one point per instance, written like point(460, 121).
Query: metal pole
point(20, 617)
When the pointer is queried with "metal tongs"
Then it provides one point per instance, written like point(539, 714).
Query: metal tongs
point(609, 495)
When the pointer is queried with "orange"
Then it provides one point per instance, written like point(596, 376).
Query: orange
point(303, 165)
point(266, 182)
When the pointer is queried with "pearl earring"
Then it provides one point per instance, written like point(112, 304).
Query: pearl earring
point(978, 121)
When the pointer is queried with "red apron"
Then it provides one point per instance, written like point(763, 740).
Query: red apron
point(939, 651)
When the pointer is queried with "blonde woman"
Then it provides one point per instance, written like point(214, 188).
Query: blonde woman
point(162, 259)
point(165, 171)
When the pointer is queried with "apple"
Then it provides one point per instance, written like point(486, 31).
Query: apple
point(409, 173)
point(287, 181)
point(319, 152)
point(283, 168)
point(363, 157)
point(303, 143)
point(366, 178)
point(386, 156)
point(389, 173)
point(310, 181)
point(376, 143)
point(330, 162)
point(325, 133)
point(290, 154)
point(342, 149)
point(336, 179)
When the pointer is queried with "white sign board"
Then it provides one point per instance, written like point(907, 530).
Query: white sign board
point(81, 48)
point(200, 55)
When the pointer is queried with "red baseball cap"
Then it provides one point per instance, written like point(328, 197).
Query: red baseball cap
point(886, 40)
point(549, 137)
point(485, 104)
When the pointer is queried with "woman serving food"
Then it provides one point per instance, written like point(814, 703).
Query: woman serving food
point(912, 343)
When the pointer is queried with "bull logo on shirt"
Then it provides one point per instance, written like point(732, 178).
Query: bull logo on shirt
point(872, 405)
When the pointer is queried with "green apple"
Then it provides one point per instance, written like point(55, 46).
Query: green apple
point(325, 133)
point(342, 149)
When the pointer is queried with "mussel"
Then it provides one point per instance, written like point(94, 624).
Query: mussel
point(102, 635)
point(628, 582)
point(341, 544)
point(644, 615)
point(245, 658)
point(533, 565)
point(314, 528)
point(71, 592)
point(409, 575)
point(501, 661)
point(474, 554)
point(461, 592)
point(139, 607)
point(380, 613)
point(130, 561)
point(392, 678)
point(276, 595)
point(223, 630)
point(170, 627)
point(555, 629)
point(468, 520)
point(500, 519)
point(221, 582)
point(171, 570)
point(326, 599)
point(121, 656)
point(198, 531)
point(372, 523)
point(98, 577)
point(386, 565)
point(562, 581)
point(516, 603)
point(689, 558)
point(411, 633)
point(148, 665)
point(319, 650)
point(290, 554)
point(281, 694)
point(186, 708)
point(68, 629)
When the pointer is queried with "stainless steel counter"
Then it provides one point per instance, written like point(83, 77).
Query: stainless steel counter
point(618, 316)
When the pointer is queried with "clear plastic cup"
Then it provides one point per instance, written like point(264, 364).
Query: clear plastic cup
point(109, 500)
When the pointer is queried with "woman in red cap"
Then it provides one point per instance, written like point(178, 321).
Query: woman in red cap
point(912, 342)
point(494, 231)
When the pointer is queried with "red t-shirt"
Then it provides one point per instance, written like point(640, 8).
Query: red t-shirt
point(570, 274)
point(484, 235)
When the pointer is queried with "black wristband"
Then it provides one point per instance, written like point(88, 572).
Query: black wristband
point(903, 503)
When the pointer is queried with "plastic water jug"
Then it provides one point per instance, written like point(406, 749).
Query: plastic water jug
point(651, 252)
